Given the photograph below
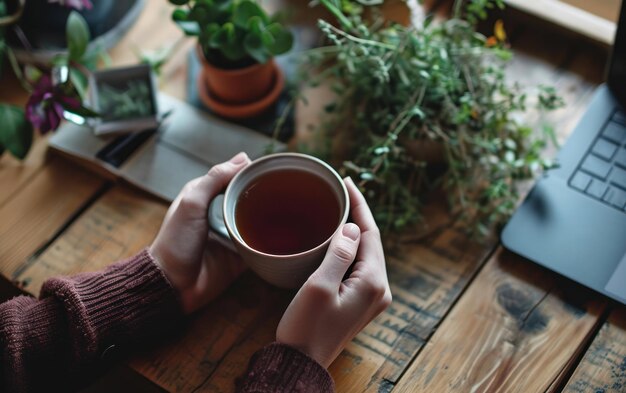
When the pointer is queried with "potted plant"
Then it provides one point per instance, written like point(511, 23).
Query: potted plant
point(407, 95)
point(237, 41)
point(56, 90)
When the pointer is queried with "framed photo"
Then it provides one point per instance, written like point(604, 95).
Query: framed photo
point(125, 98)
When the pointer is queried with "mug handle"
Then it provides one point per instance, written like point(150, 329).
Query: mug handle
point(217, 227)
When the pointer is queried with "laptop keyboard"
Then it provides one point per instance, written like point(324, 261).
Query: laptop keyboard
point(602, 172)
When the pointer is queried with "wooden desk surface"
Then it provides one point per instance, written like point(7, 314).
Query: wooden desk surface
point(465, 316)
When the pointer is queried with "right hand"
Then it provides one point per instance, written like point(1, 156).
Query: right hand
point(328, 311)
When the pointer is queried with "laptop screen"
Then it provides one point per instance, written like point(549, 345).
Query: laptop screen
point(617, 69)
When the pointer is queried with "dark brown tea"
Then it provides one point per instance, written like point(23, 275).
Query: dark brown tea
point(287, 211)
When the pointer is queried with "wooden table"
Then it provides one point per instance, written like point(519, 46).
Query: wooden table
point(465, 317)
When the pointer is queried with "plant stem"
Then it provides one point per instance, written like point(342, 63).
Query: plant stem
point(357, 39)
point(18, 72)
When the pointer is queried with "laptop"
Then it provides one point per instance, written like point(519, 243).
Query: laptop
point(574, 219)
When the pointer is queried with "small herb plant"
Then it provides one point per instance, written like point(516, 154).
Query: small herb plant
point(132, 100)
point(442, 86)
point(232, 33)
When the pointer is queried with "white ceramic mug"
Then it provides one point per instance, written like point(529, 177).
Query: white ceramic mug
point(286, 271)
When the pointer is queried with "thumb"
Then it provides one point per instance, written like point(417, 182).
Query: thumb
point(220, 175)
point(197, 194)
point(340, 255)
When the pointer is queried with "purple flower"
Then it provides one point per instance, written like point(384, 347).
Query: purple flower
point(46, 104)
point(76, 4)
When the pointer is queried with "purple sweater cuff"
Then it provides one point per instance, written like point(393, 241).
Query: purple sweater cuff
point(280, 368)
point(113, 307)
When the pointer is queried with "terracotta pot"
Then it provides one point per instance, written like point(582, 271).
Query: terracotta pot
point(238, 86)
point(241, 111)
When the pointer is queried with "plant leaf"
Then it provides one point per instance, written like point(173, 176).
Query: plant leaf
point(246, 10)
point(179, 2)
point(83, 111)
point(79, 81)
point(334, 9)
point(77, 35)
point(256, 25)
point(282, 39)
point(235, 50)
point(254, 47)
point(201, 14)
point(179, 15)
point(16, 133)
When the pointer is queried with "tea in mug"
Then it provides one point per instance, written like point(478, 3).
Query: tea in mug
point(287, 211)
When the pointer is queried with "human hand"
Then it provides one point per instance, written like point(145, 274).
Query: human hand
point(328, 311)
point(197, 269)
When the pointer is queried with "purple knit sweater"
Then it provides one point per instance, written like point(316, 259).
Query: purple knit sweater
point(58, 342)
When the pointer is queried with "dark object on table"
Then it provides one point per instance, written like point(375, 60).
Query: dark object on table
point(125, 98)
point(574, 219)
point(118, 151)
point(43, 25)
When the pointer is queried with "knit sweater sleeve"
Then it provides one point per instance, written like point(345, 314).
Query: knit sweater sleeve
point(57, 341)
point(279, 368)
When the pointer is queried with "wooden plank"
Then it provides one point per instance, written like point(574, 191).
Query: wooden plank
point(187, 362)
point(425, 281)
point(224, 377)
point(515, 321)
point(35, 214)
point(603, 368)
point(116, 226)
point(570, 17)
point(607, 9)
point(15, 174)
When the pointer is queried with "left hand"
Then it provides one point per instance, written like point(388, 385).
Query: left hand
point(196, 267)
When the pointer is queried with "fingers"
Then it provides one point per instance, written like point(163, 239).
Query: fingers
point(371, 245)
point(340, 255)
point(198, 193)
point(361, 213)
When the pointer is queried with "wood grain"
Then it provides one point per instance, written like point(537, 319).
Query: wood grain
point(186, 363)
point(119, 224)
point(35, 214)
point(116, 226)
point(15, 174)
point(425, 281)
point(512, 331)
point(515, 328)
point(603, 368)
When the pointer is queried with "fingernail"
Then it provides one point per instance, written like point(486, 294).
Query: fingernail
point(351, 231)
point(239, 158)
point(348, 179)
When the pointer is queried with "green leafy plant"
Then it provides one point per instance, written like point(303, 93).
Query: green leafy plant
point(405, 94)
point(54, 90)
point(232, 33)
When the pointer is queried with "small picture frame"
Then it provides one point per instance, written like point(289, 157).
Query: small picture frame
point(125, 98)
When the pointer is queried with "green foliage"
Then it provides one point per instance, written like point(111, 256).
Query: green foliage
point(402, 92)
point(78, 37)
point(232, 33)
point(78, 58)
point(16, 133)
